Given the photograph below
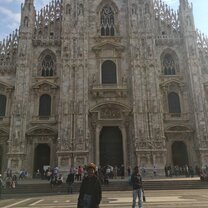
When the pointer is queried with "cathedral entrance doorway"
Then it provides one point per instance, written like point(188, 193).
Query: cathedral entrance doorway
point(1, 158)
point(42, 157)
point(179, 153)
point(111, 146)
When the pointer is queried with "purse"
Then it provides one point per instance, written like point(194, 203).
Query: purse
point(143, 197)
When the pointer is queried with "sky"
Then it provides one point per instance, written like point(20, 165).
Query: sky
point(10, 14)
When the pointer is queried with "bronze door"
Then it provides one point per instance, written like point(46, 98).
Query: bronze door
point(111, 147)
point(179, 153)
point(42, 157)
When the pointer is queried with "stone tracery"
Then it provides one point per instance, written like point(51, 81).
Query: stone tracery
point(70, 45)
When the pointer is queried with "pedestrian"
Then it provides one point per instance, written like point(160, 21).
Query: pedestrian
point(136, 181)
point(14, 181)
point(1, 185)
point(154, 170)
point(129, 171)
point(59, 179)
point(90, 193)
point(70, 181)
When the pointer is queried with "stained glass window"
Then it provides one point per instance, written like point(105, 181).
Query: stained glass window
point(45, 105)
point(174, 103)
point(109, 72)
point(47, 66)
point(2, 105)
point(107, 22)
point(169, 65)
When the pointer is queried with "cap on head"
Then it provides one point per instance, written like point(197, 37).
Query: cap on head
point(91, 165)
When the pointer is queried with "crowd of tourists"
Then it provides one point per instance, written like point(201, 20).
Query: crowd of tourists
point(185, 170)
point(204, 173)
point(104, 173)
point(11, 179)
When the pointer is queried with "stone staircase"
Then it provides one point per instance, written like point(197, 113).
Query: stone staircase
point(36, 187)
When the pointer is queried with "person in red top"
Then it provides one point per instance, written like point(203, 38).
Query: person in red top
point(90, 193)
point(80, 170)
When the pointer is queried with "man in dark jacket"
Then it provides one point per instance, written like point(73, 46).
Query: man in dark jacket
point(1, 185)
point(90, 193)
point(70, 181)
point(136, 180)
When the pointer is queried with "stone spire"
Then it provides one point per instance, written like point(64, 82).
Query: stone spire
point(186, 16)
point(27, 14)
point(29, 2)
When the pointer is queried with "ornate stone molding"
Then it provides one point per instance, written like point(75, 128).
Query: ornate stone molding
point(106, 44)
point(110, 91)
point(5, 87)
point(109, 111)
point(45, 85)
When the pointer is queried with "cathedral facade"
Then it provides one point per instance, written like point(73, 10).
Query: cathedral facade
point(116, 82)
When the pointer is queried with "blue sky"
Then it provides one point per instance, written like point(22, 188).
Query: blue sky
point(10, 14)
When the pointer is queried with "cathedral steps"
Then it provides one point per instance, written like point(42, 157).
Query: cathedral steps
point(115, 185)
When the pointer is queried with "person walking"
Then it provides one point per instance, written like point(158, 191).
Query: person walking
point(136, 181)
point(90, 193)
point(14, 181)
point(1, 185)
point(70, 181)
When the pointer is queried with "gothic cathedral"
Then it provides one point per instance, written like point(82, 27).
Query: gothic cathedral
point(115, 82)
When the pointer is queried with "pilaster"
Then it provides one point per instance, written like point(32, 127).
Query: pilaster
point(17, 139)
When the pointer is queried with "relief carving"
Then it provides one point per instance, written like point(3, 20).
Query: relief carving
point(109, 113)
point(23, 51)
point(64, 161)
point(14, 163)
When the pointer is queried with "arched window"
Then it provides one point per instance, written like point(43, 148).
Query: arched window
point(107, 22)
point(174, 103)
point(146, 8)
point(169, 67)
point(3, 100)
point(68, 9)
point(47, 66)
point(109, 72)
point(45, 105)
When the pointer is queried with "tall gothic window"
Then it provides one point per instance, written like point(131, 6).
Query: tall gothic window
point(107, 21)
point(174, 103)
point(45, 105)
point(147, 9)
point(169, 67)
point(68, 9)
point(109, 72)
point(48, 66)
point(2, 105)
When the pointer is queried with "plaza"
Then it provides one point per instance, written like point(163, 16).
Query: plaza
point(112, 82)
point(157, 199)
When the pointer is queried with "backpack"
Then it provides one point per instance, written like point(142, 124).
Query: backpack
point(1, 183)
point(130, 181)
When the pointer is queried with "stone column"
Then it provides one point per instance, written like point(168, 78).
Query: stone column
point(123, 132)
point(97, 145)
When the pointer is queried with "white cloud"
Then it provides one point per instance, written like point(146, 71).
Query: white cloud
point(10, 13)
point(10, 1)
point(41, 3)
point(10, 17)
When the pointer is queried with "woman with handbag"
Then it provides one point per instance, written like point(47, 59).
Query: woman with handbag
point(136, 181)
